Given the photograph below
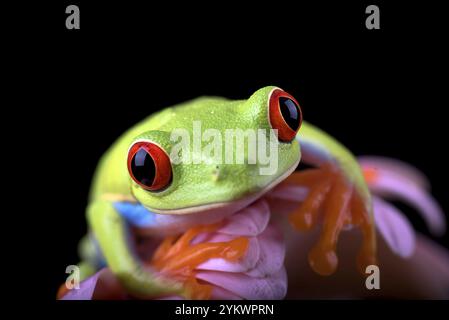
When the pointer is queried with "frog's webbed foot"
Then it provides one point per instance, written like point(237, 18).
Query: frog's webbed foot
point(333, 200)
point(178, 257)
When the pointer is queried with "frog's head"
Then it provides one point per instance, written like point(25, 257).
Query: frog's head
point(215, 154)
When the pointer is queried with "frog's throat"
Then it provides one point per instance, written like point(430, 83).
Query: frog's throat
point(228, 206)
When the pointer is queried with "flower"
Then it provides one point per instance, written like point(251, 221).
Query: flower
point(259, 273)
point(250, 254)
point(411, 265)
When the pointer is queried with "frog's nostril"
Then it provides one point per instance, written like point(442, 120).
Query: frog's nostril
point(216, 173)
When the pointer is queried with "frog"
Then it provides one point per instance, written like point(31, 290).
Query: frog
point(138, 186)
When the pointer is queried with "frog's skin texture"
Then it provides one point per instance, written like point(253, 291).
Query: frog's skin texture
point(195, 189)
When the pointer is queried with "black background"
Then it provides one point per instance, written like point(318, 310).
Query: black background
point(380, 92)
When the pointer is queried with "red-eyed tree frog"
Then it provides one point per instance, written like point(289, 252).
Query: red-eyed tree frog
point(138, 187)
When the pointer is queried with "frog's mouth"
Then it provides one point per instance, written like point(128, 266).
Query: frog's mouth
point(222, 209)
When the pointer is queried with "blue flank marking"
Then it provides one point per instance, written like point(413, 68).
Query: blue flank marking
point(136, 214)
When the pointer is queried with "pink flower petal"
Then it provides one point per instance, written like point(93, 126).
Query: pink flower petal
point(265, 255)
point(285, 198)
point(86, 290)
point(102, 285)
point(219, 293)
point(250, 221)
point(289, 192)
point(397, 181)
point(398, 167)
point(170, 298)
point(394, 227)
point(272, 252)
point(272, 287)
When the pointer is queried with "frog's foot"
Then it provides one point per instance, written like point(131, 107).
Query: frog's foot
point(333, 200)
point(178, 258)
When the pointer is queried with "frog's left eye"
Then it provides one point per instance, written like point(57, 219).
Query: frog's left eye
point(149, 166)
point(284, 114)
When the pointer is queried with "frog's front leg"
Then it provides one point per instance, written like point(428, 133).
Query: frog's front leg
point(338, 196)
point(111, 232)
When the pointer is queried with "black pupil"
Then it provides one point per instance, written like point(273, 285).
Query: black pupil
point(290, 112)
point(143, 168)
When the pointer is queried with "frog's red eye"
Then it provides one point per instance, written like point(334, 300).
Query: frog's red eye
point(284, 115)
point(149, 166)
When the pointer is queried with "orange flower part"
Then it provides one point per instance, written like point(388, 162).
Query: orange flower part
point(178, 258)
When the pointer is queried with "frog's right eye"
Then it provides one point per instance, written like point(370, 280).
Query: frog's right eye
point(149, 166)
point(284, 114)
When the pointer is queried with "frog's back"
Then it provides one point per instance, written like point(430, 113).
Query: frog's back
point(111, 176)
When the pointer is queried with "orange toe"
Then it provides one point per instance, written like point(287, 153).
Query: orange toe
point(305, 217)
point(334, 198)
point(323, 257)
point(362, 219)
